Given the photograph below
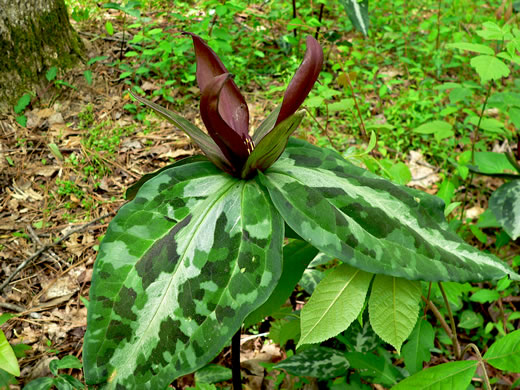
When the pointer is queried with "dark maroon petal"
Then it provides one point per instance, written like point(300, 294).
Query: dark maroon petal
point(303, 80)
point(232, 106)
point(234, 146)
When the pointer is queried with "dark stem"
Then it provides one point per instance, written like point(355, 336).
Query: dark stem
point(294, 13)
point(322, 6)
point(452, 323)
point(361, 122)
point(123, 41)
point(437, 315)
point(477, 131)
point(235, 361)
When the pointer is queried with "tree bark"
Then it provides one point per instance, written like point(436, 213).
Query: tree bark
point(34, 35)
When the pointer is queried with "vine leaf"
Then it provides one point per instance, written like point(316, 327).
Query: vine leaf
point(161, 291)
point(504, 353)
point(335, 303)
point(369, 222)
point(417, 348)
point(393, 307)
point(447, 376)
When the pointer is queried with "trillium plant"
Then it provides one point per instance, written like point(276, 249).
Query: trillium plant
point(199, 250)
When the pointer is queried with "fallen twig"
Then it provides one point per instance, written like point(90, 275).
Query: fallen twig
point(50, 245)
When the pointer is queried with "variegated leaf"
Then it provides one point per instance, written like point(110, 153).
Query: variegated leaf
point(357, 12)
point(505, 205)
point(371, 223)
point(179, 269)
point(316, 361)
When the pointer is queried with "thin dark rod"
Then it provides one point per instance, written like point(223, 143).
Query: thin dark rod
point(235, 361)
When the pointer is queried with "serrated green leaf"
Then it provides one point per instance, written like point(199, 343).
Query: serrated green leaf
point(335, 303)
point(474, 47)
point(296, 256)
point(357, 12)
point(371, 223)
point(316, 361)
point(447, 376)
point(374, 366)
point(470, 320)
point(167, 296)
point(393, 307)
point(504, 353)
point(8, 360)
point(417, 348)
point(489, 68)
point(505, 205)
point(22, 103)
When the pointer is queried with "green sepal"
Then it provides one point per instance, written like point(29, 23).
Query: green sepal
point(201, 139)
point(271, 146)
point(266, 125)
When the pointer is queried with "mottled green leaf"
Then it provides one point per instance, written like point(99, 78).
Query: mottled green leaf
point(213, 373)
point(8, 360)
point(448, 376)
point(417, 348)
point(316, 361)
point(296, 256)
point(371, 223)
point(178, 270)
point(374, 366)
point(310, 279)
point(489, 68)
point(393, 307)
point(504, 353)
point(43, 383)
point(335, 303)
point(357, 12)
point(505, 205)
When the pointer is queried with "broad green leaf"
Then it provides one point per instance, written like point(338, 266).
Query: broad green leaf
point(417, 348)
point(505, 205)
point(374, 366)
point(447, 376)
point(4, 317)
point(440, 129)
point(272, 145)
point(489, 68)
point(201, 139)
point(282, 331)
point(335, 303)
point(69, 361)
point(43, 383)
point(484, 296)
point(357, 12)
point(393, 307)
point(296, 256)
point(8, 360)
point(316, 361)
point(504, 353)
point(371, 223)
point(400, 173)
point(488, 125)
point(493, 164)
point(22, 103)
point(474, 47)
point(167, 296)
point(213, 373)
point(470, 320)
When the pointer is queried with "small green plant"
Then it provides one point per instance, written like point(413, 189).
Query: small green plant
point(59, 380)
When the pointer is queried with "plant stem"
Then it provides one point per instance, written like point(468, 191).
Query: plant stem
point(452, 323)
point(361, 122)
point(477, 131)
point(481, 362)
point(438, 315)
point(235, 361)
point(439, 4)
point(319, 20)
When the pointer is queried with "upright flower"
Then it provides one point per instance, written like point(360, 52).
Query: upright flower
point(225, 113)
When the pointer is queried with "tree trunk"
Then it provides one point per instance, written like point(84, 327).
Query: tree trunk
point(34, 35)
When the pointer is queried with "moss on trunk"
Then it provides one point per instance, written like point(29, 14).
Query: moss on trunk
point(34, 35)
